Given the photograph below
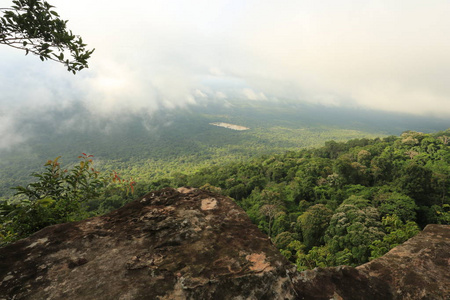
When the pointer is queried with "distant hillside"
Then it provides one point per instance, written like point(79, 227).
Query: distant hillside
point(151, 147)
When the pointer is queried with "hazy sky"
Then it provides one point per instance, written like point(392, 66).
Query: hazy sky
point(390, 55)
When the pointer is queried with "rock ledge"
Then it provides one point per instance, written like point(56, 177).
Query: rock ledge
point(193, 244)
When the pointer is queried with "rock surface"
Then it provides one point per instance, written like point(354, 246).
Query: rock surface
point(417, 269)
point(192, 244)
point(186, 244)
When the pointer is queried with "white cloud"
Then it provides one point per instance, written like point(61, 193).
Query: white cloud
point(216, 72)
point(200, 94)
point(221, 95)
point(9, 135)
point(390, 55)
point(252, 95)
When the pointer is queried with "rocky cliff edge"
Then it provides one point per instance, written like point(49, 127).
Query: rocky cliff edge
point(192, 244)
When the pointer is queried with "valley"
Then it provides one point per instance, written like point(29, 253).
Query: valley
point(148, 147)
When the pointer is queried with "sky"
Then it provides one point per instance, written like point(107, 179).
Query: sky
point(388, 55)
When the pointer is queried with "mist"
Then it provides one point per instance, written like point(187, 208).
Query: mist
point(389, 55)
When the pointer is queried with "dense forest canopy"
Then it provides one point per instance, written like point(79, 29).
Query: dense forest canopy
point(344, 203)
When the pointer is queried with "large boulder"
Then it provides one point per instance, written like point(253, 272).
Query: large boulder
point(186, 244)
point(417, 269)
point(192, 244)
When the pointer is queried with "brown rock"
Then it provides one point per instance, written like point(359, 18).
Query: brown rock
point(193, 244)
point(167, 245)
point(417, 269)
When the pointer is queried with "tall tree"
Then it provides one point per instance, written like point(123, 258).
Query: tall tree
point(313, 223)
point(273, 205)
point(353, 228)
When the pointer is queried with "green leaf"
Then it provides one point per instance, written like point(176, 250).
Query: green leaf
point(45, 202)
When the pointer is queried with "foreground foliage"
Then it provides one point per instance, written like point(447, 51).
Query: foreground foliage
point(59, 195)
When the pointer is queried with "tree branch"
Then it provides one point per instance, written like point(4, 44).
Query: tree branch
point(32, 26)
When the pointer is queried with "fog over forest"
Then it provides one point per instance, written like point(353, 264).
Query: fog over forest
point(388, 55)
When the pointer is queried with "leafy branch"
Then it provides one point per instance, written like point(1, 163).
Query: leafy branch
point(33, 26)
point(59, 195)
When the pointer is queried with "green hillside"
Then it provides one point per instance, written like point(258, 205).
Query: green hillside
point(148, 147)
point(344, 203)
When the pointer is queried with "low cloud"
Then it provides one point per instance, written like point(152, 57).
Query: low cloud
point(387, 55)
point(8, 132)
point(252, 95)
point(221, 95)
